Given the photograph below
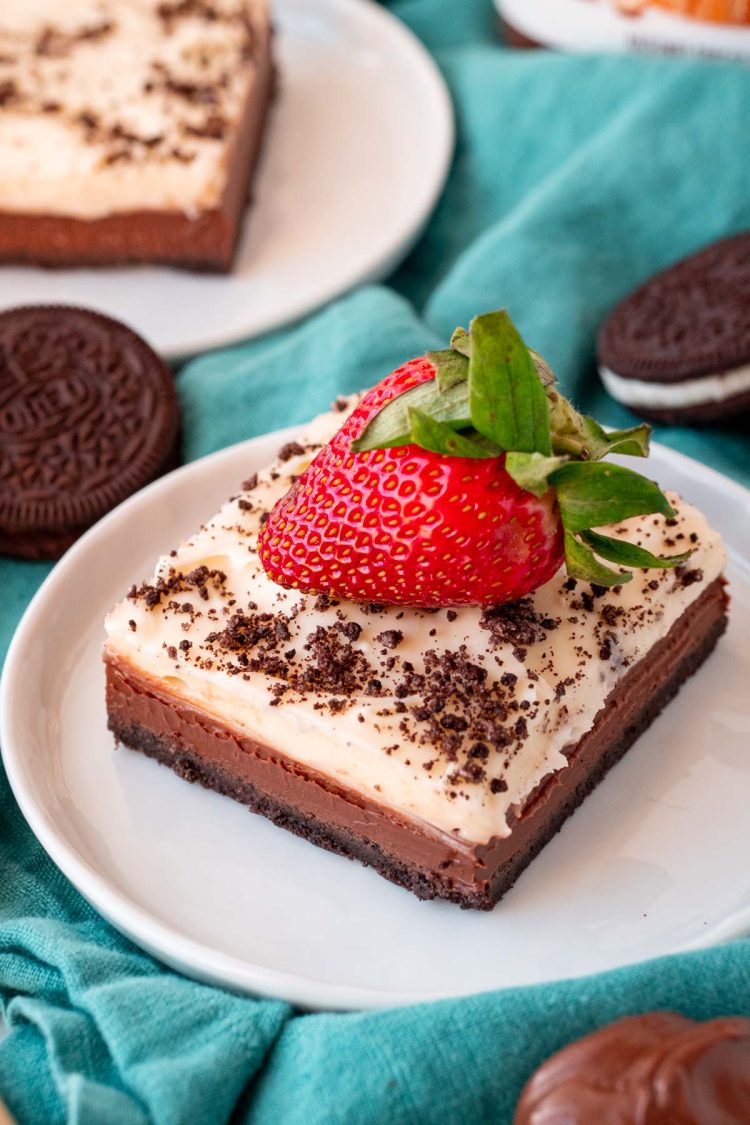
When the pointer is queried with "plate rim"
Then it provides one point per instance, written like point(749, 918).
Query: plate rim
point(378, 265)
point(168, 945)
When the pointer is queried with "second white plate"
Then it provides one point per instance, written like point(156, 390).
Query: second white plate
point(359, 145)
point(654, 861)
point(569, 25)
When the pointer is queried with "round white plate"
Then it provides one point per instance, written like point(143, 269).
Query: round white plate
point(654, 861)
point(359, 146)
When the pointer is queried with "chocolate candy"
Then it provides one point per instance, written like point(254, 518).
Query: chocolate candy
point(655, 1069)
point(88, 415)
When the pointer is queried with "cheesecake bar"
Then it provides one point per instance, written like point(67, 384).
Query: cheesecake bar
point(442, 747)
point(130, 129)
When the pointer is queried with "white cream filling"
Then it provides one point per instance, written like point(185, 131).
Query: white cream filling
point(372, 754)
point(688, 392)
point(53, 164)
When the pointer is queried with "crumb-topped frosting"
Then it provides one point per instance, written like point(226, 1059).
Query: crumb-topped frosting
point(118, 105)
point(452, 716)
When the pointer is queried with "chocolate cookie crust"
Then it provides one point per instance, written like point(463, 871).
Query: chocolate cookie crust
point(88, 415)
point(690, 320)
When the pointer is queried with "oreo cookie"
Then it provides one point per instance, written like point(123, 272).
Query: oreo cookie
point(677, 350)
point(88, 415)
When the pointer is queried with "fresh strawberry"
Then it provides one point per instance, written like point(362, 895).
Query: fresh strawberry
point(407, 526)
point(463, 478)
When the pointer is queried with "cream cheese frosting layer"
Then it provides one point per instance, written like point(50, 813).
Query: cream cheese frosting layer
point(688, 392)
point(450, 717)
point(122, 105)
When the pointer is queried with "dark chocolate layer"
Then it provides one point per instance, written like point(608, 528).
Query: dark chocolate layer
point(206, 242)
point(429, 863)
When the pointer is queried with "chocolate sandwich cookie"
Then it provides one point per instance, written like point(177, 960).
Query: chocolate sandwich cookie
point(88, 415)
point(659, 1068)
point(677, 350)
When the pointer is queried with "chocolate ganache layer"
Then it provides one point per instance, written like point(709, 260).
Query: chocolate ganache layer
point(199, 746)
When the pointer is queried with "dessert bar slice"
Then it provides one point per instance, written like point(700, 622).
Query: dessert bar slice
point(129, 129)
point(443, 746)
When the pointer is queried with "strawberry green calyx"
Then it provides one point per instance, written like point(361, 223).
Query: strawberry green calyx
point(492, 396)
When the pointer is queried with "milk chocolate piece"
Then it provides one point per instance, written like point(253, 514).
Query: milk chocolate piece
point(654, 1069)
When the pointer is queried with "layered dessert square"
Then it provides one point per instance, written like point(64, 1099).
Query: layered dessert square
point(442, 746)
point(130, 129)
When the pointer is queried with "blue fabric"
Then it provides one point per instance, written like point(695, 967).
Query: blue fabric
point(574, 178)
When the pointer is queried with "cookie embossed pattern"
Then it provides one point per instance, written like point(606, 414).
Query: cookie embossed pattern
point(88, 415)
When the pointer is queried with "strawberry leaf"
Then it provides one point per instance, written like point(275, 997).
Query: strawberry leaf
point(450, 367)
point(391, 427)
point(491, 394)
point(580, 562)
point(544, 371)
point(461, 342)
point(532, 470)
point(580, 436)
point(628, 554)
point(592, 494)
point(506, 397)
point(439, 438)
point(634, 442)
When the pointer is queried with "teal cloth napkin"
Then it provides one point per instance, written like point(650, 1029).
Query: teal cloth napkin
point(574, 178)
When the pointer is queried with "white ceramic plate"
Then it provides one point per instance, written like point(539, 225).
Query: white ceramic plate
point(655, 860)
point(358, 150)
